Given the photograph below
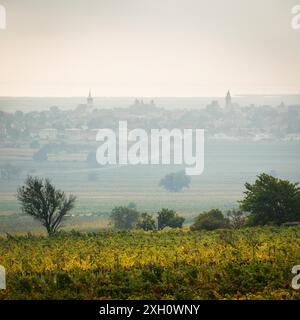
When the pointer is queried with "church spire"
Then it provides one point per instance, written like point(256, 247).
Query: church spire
point(228, 99)
point(90, 99)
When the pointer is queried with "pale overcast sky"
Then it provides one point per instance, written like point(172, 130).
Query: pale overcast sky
point(149, 47)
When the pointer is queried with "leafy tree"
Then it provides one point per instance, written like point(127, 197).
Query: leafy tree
point(211, 220)
point(271, 201)
point(40, 199)
point(124, 218)
point(237, 218)
point(169, 218)
point(146, 222)
point(132, 205)
point(175, 182)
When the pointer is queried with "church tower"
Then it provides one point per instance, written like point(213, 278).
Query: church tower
point(90, 100)
point(228, 100)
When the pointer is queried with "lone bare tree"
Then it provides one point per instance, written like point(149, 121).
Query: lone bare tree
point(40, 199)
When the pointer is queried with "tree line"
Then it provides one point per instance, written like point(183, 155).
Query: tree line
point(268, 201)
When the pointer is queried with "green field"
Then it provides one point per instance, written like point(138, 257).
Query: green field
point(251, 263)
point(228, 165)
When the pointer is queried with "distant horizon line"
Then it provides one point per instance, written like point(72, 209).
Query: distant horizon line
point(146, 97)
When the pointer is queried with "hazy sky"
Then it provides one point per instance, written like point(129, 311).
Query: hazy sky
point(148, 47)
